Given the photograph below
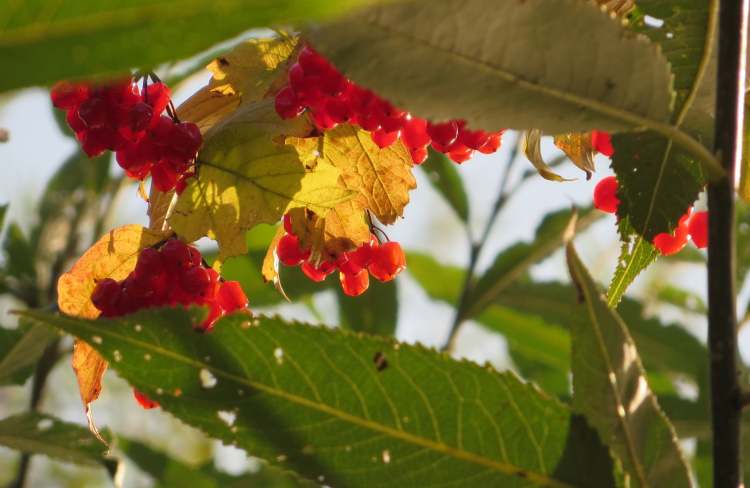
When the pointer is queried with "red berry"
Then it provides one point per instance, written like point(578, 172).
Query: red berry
point(354, 284)
point(67, 95)
point(473, 139)
point(318, 274)
point(163, 176)
point(231, 297)
point(149, 263)
point(384, 139)
point(289, 251)
point(418, 155)
point(459, 153)
point(312, 62)
point(698, 229)
point(105, 295)
point(143, 400)
point(94, 112)
point(287, 105)
point(157, 95)
point(196, 280)
point(602, 142)
point(215, 312)
point(140, 116)
point(668, 244)
point(492, 144)
point(179, 255)
point(605, 195)
point(443, 134)
point(414, 133)
point(387, 261)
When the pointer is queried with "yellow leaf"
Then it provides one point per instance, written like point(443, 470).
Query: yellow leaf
point(270, 267)
point(113, 256)
point(532, 149)
point(251, 68)
point(577, 146)
point(248, 174)
point(244, 75)
point(744, 189)
point(343, 229)
point(382, 177)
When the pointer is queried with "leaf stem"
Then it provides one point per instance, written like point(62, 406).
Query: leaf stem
point(477, 246)
point(726, 393)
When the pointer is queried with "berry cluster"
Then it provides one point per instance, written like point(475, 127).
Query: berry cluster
point(383, 262)
point(122, 118)
point(172, 275)
point(314, 84)
point(693, 225)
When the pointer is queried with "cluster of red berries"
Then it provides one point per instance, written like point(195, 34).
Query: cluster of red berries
point(315, 84)
point(122, 118)
point(172, 275)
point(693, 225)
point(383, 262)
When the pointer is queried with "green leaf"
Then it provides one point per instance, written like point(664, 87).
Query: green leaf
point(658, 180)
point(375, 312)
point(441, 281)
point(444, 177)
point(657, 184)
point(3, 211)
point(354, 410)
point(20, 349)
point(504, 64)
point(610, 389)
point(89, 37)
point(515, 261)
point(167, 471)
point(38, 433)
point(667, 350)
point(540, 349)
point(19, 254)
point(679, 297)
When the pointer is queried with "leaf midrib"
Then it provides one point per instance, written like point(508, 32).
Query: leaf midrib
point(610, 371)
point(502, 467)
point(631, 118)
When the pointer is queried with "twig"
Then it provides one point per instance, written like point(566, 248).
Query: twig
point(722, 315)
point(476, 250)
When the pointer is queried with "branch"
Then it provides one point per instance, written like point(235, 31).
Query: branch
point(722, 315)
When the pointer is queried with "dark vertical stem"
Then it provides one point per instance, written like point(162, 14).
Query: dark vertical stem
point(722, 315)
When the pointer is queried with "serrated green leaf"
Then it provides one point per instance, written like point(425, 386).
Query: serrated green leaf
point(89, 37)
point(374, 312)
point(487, 62)
point(354, 410)
point(659, 180)
point(513, 262)
point(169, 472)
point(38, 433)
point(20, 349)
point(443, 176)
point(610, 389)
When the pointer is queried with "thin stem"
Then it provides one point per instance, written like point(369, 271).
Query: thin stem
point(726, 394)
point(476, 249)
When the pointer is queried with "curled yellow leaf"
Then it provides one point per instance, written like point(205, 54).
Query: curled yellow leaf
point(113, 256)
point(532, 148)
point(577, 146)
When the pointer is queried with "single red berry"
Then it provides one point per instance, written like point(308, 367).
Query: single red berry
point(354, 284)
point(338, 110)
point(492, 144)
point(94, 112)
point(384, 139)
point(473, 139)
point(605, 195)
point(149, 263)
point(140, 116)
point(287, 105)
point(196, 280)
point(215, 312)
point(602, 142)
point(698, 229)
point(414, 133)
point(668, 244)
point(231, 297)
point(459, 153)
point(387, 261)
point(97, 140)
point(68, 95)
point(105, 295)
point(157, 95)
point(443, 134)
point(418, 155)
point(312, 62)
point(144, 401)
point(289, 251)
point(163, 176)
point(179, 255)
point(319, 273)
